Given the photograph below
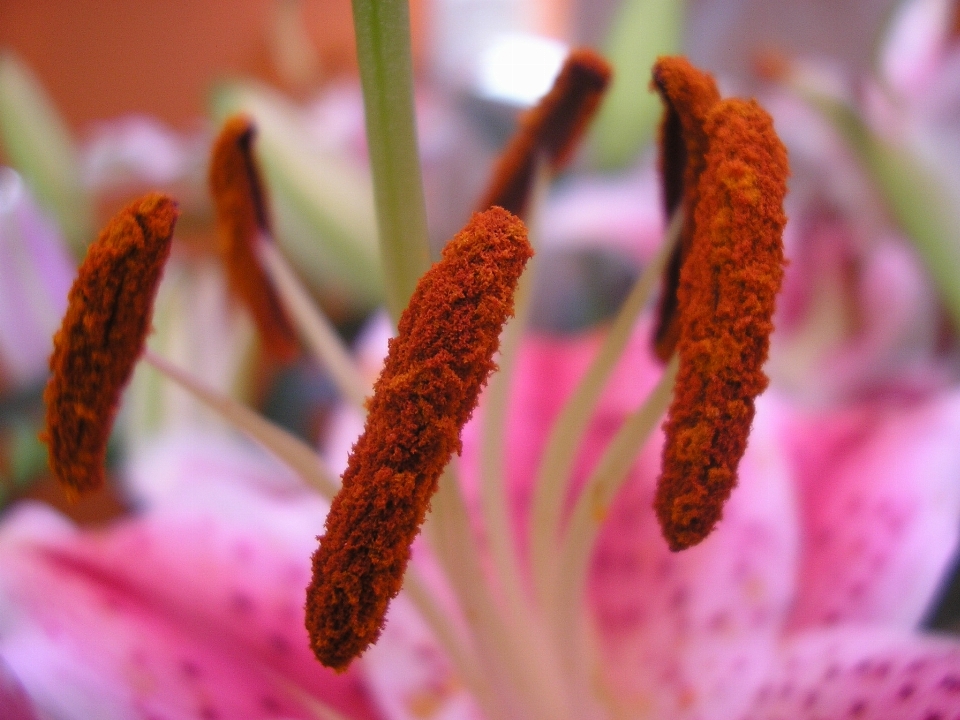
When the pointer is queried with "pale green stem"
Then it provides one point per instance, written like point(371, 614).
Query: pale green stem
point(291, 450)
point(464, 661)
point(512, 665)
point(315, 329)
point(588, 515)
point(553, 476)
point(921, 205)
point(382, 30)
point(493, 495)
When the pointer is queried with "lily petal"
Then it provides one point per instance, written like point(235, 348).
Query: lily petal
point(686, 635)
point(880, 507)
point(14, 703)
point(187, 611)
point(675, 629)
point(863, 674)
point(409, 674)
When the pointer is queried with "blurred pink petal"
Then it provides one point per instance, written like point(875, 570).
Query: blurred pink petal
point(915, 45)
point(623, 213)
point(14, 703)
point(35, 276)
point(411, 675)
point(880, 509)
point(863, 674)
point(688, 634)
point(188, 611)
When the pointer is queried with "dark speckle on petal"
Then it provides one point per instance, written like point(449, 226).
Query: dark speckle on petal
point(950, 684)
point(906, 691)
point(240, 602)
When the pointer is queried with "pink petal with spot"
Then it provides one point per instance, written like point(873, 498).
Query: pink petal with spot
point(862, 674)
point(548, 370)
point(184, 612)
point(687, 635)
point(880, 507)
point(675, 628)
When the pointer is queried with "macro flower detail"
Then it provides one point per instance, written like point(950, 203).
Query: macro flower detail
point(688, 95)
point(551, 129)
point(102, 336)
point(726, 295)
point(504, 540)
point(429, 386)
point(240, 200)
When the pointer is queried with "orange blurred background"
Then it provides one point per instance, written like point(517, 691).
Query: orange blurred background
point(102, 58)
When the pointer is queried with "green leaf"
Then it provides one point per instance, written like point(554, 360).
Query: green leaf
point(641, 31)
point(37, 143)
point(922, 206)
point(322, 205)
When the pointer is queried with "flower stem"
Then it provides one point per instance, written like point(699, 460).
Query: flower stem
point(315, 328)
point(288, 448)
point(553, 476)
point(382, 30)
point(588, 514)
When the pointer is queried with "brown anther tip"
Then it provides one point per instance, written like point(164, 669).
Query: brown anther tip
point(102, 336)
point(726, 297)
point(954, 33)
point(432, 377)
point(551, 129)
point(771, 64)
point(240, 202)
point(688, 95)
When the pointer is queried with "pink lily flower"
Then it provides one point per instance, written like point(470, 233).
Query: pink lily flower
point(775, 615)
point(193, 610)
point(804, 603)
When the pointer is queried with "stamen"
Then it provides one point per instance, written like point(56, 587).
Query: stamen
point(101, 337)
point(552, 128)
point(726, 299)
point(242, 222)
point(688, 95)
point(426, 392)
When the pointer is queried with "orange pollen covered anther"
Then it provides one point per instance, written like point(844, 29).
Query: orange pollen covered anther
point(242, 221)
point(688, 95)
point(726, 296)
point(429, 386)
point(551, 129)
point(101, 338)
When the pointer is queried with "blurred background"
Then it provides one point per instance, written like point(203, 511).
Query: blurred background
point(102, 100)
point(102, 59)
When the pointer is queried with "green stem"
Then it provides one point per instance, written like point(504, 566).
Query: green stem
point(386, 72)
